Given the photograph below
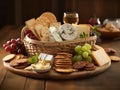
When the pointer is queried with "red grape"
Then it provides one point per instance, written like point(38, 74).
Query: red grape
point(8, 42)
point(13, 40)
point(13, 46)
point(19, 44)
point(30, 34)
point(4, 45)
point(18, 40)
point(8, 48)
point(19, 51)
point(27, 32)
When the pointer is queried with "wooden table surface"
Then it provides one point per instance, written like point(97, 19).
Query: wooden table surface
point(109, 80)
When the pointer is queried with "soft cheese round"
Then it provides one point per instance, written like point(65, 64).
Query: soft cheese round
point(67, 32)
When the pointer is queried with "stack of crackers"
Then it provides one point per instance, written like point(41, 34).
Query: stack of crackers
point(40, 26)
point(18, 61)
point(63, 62)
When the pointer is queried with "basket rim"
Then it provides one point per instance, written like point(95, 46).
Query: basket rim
point(26, 38)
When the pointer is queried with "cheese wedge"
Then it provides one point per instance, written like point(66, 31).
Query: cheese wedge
point(82, 28)
point(100, 57)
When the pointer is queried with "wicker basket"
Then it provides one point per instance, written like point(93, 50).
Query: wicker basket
point(34, 46)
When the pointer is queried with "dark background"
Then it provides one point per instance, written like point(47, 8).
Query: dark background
point(16, 12)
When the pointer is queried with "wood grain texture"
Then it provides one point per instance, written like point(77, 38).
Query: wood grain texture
point(8, 80)
point(108, 80)
point(55, 75)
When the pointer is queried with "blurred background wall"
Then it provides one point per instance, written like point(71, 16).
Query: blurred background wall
point(16, 12)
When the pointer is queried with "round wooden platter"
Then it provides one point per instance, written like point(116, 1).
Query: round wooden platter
point(52, 74)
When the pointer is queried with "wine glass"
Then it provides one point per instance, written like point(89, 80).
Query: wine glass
point(71, 17)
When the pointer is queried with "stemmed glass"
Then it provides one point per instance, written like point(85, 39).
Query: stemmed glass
point(71, 17)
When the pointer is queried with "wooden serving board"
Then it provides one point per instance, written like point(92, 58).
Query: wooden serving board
point(56, 75)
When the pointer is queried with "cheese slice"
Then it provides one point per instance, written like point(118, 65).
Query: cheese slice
point(82, 28)
point(100, 57)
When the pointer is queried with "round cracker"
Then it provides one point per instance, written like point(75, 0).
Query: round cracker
point(50, 16)
point(18, 62)
point(57, 61)
point(18, 56)
point(9, 57)
point(62, 60)
point(13, 63)
point(59, 57)
point(64, 70)
point(115, 58)
point(43, 21)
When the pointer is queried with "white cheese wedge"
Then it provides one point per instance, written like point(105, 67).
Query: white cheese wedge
point(82, 28)
point(100, 57)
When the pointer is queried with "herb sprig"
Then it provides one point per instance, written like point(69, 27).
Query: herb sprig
point(95, 30)
point(33, 59)
point(83, 35)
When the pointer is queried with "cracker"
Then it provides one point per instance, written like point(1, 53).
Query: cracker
point(90, 68)
point(44, 34)
point(45, 38)
point(110, 51)
point(34, 32)
point(63, 60)
point(18, 56)
point(43, 21)
point(13, 63)
point(38, 28)
point(9, 57)
point(65, 54)
point(59, 61)
point(30, 23)
point(59, 57)
point(56, 25)
point(64, 70)
point(19, 63)
point(115, 58)
point(50, 16)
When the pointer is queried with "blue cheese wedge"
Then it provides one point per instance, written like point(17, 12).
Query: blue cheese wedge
point(55, 34)
point(100, 57)
point(47, 57)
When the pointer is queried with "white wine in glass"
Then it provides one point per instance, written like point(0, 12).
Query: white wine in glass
point(71, 17)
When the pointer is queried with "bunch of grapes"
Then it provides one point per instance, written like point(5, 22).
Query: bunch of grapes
point(30, 34)
point(15, 46)
point(82, 53)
